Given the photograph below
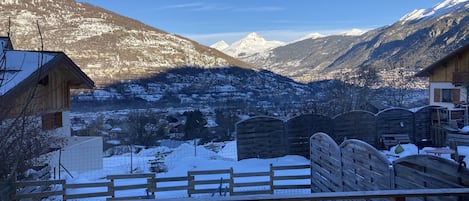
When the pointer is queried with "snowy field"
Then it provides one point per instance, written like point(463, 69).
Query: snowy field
point(214, 156)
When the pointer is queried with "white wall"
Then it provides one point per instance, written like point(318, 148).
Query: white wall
point(445, 85)
point(80, 154)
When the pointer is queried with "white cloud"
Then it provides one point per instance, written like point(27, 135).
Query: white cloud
point(221, 7)
point(259, 9)
point(187, 5)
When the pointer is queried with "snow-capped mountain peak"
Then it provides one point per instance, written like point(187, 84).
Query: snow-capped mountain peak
point(438, 10)
point(250, 44)
point(254, 37)
point(353, 32)
point(220, 45)
point(313, 35)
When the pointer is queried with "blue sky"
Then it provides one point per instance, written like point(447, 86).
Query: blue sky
point(208, 21)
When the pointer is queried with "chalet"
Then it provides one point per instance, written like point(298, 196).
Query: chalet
point(449, 79)
point(38, 84)
point(448, 88)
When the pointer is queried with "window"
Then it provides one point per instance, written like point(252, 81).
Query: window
point(52, 121)
point(447, 95)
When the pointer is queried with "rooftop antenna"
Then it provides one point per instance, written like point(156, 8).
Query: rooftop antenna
point(3, 56)
point(40, 35)
point(9, 27)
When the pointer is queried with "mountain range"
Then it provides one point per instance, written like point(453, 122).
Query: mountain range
point(108, 47)
point(410, 44)
point(112, 48)
point(249, 45)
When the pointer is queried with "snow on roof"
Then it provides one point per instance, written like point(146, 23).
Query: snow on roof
point(16, 66)
point(4, 41)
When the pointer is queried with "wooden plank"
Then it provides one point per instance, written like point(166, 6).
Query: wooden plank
point(88, 185)
point(171, 179)
point(437, 167)
point(304, 186)
point(86, 195)
point(422, 177)
point(204, 172)
point(130, 187)
point(251, 174)
point(202, 191)
point(133, 198)
point(169, 188)
point(250, 184)
point(213, 181)
point(335, 178)
point(130, 176)
point(241, 193)
point(39, 183)
point(291, 167)
point(403, 183)
point(293, 177)
point(336, 195)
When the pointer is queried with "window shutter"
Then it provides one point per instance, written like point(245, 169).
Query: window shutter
point(436, 95)
point(456, 96)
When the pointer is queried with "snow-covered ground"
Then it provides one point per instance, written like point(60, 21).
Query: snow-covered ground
point(180, 160)
point(182, 157)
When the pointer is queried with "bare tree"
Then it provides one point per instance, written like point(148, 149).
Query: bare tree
point(144, 128)
point(350, 90)
point(23, 142)
point(402, 81)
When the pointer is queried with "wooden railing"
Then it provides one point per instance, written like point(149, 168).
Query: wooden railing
point(214, 182)
point(393, 195)
point(239, 186)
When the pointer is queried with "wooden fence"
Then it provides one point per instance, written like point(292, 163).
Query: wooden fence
point(393, 195)
point(364, 168)
point(264, 133)
point(300, 128)
point(212, 182)
point(269, 137)
point(325, 157)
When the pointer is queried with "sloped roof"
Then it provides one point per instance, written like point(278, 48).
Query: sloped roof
point(23, 69)
point(19, 65)
point(426, 72)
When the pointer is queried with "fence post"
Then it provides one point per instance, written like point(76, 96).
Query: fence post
point(7, 190)
point(231, 181)
point(271, 179)
point(190, 183)
point(64, 190)
point(151, 185)
point(111, 189)
point(392, 177)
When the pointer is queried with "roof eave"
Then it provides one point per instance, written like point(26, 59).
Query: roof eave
point(83, 81)
point(426, 72)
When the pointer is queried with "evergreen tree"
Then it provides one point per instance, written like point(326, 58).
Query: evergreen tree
point(195, 124)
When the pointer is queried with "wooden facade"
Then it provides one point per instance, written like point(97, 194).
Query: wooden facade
point(46, 90)
point(449, 78)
